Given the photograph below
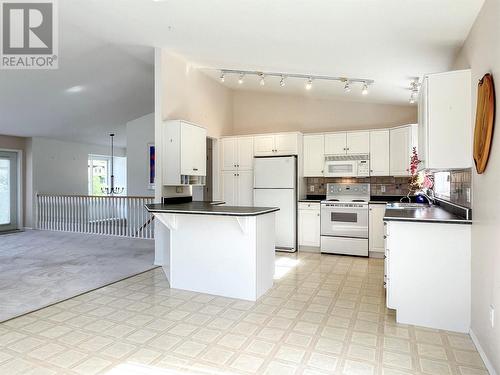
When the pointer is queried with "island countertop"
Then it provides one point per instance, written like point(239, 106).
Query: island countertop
point(207, 208)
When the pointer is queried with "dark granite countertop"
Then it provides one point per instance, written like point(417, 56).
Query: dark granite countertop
point(208, 208)
point(432, 214)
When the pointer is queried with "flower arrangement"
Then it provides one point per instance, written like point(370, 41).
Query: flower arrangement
point(418, 181)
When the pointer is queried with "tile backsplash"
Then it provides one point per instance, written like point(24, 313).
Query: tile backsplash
point(460, 187)
point(384, 185)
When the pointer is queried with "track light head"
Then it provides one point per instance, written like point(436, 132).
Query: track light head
point(309, 84)
point(222, 77)
point(262, 80)
point(282, 81)
point(347, 87)
point(364, 90)
point(240, 80)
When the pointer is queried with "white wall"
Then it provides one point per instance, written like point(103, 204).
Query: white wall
point(481, 52)
point(140, 133)
point(260, 112)
point(59, 167)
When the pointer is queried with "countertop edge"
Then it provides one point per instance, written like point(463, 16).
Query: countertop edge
point(212, 213)
point(435, 221)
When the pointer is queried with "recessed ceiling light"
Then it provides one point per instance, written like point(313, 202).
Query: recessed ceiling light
point(240, 80)
point(75, 89)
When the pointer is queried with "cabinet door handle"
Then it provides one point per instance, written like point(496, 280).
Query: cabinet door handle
point(195, 169)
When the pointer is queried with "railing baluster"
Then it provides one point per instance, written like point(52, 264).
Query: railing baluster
point(105, 215)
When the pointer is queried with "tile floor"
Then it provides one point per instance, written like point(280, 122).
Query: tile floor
point(324, 315)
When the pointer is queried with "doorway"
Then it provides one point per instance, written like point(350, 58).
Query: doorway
point(9, 191)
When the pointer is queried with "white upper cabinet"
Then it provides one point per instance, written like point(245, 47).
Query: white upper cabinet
point(445, 115)
point(286, 143)
point(245, 153)
point(184, 155)
point(379, 152)
point(276, 144)
point(236, 153)
point(358, 143)
point(335, 143)
point(402, 141)
point(264, 145)
point(347, 143)
point(314, 155)
point(193, 150)
point(229, 154)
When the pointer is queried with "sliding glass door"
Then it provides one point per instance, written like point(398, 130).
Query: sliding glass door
point(8, 191)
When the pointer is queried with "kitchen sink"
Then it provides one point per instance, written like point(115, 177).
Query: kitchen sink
point(406, 205)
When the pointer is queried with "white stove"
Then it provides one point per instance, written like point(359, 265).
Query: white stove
point(344, 219)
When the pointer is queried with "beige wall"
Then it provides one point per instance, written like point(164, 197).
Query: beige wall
point(17, 143)
point(258, 112)
point(190, 95)
point(481, 53)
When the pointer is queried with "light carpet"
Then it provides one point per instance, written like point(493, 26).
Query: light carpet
point(39, 268)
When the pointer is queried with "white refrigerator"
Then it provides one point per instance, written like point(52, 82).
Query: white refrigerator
point(275, 185)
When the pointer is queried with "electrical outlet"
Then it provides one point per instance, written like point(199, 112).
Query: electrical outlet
point(311, 188)
point(492, 316)
point(382, 188)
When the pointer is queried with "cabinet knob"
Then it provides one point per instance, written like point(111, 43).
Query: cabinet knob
point(385, 236)
point(317, 214)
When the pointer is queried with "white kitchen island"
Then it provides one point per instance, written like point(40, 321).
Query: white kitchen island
point(220, 250)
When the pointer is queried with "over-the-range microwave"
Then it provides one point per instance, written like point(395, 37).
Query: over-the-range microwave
point(356, 165)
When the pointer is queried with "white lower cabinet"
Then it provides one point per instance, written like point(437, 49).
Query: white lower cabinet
point(237, 187)
point(376, 229)
point(427, 272)
point(309, 224)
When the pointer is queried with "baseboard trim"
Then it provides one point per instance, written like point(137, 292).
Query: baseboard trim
point(483, 355)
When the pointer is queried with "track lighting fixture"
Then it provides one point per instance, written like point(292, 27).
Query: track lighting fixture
point(347, 87)
point(282, 81)
point(364, 91)
point(309, 84)
point(414, 88)
point(348, 82)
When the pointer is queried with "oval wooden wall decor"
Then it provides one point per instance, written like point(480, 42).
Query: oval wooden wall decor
point(485, 119)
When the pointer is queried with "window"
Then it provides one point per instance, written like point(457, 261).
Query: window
point(442, 185)
point(99, 173)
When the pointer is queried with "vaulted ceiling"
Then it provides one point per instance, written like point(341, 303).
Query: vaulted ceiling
point(106, 49)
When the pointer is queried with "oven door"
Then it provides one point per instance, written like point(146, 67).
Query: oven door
point(345, 168)
point(344, 220)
